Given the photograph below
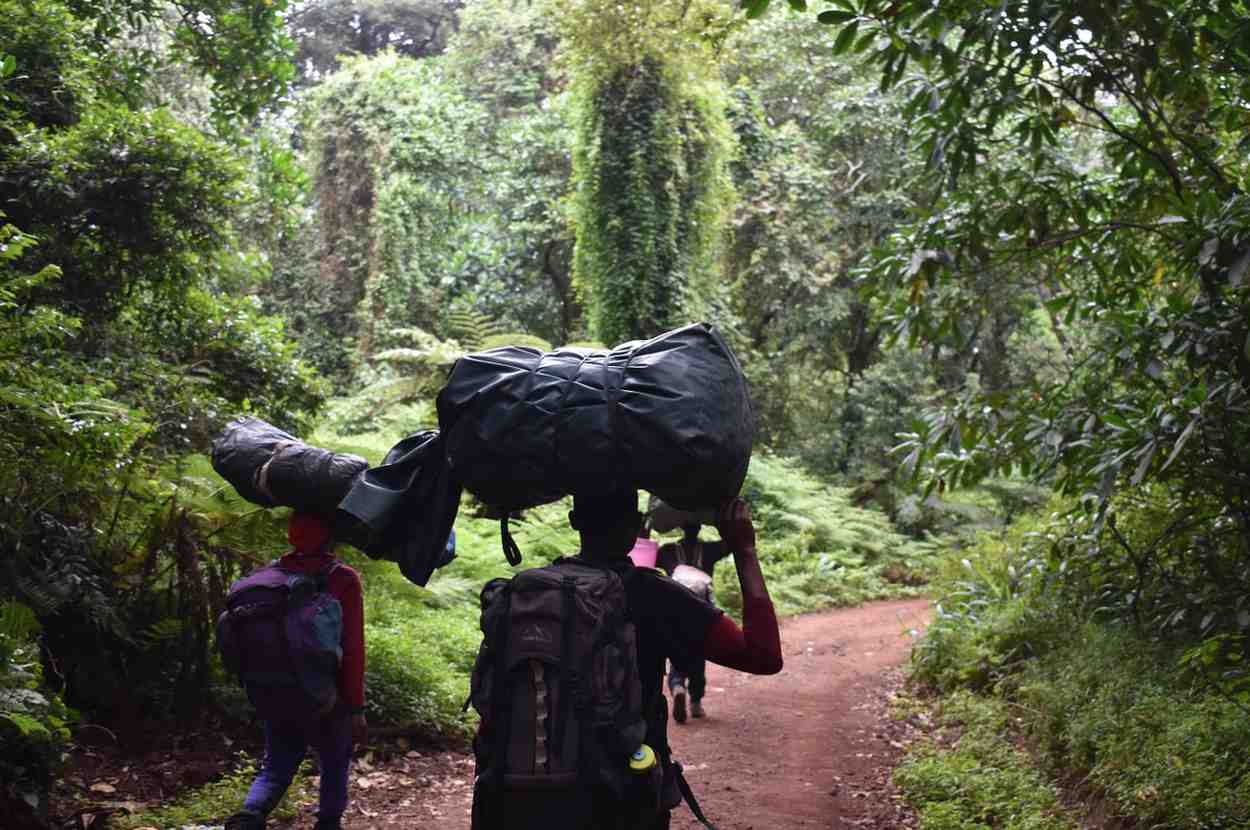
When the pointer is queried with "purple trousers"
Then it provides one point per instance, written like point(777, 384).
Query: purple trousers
point(285, 747)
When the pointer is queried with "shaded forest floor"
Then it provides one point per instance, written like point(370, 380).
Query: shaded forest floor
point(811, 747)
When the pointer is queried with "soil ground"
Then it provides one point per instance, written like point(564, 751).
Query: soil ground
point(811, 747)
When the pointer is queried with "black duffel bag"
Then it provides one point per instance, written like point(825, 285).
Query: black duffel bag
point(273, 468)
point(403, 510)
point(670, 415)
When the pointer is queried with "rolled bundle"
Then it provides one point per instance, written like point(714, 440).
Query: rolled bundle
point(272, 468)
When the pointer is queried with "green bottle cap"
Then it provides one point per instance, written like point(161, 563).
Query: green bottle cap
point(642, 760)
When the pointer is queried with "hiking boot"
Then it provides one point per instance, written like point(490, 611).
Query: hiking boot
point(328, 824)
point(245, 820)
point(696, 709)
point(679, 703)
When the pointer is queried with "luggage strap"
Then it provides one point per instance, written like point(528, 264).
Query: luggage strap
point(510, 549)
point(688, 795)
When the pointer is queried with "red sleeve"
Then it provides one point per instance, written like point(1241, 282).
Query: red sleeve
point(345, 585)
point(754, 648)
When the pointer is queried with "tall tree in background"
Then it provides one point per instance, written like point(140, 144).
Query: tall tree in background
point(1142, 241)
point(1097, 151)
point(650, 161)
point(504, 52)
point(395, 194)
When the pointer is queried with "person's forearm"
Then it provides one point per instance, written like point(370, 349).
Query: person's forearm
point(750, 577)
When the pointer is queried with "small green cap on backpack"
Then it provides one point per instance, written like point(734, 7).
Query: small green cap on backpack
point(642, 760)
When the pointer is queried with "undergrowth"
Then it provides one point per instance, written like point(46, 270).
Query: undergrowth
point(971, 776)
point(1140, 710)
point(1163, 746)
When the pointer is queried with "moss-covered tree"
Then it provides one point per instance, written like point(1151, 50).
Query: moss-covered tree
point(650, 164)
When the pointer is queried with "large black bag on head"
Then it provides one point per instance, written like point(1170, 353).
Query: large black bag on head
point(670, 415)
point(273, 468)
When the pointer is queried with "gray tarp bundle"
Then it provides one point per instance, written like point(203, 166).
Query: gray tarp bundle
point(666, 518)
point(670, 415)
point(273, 468)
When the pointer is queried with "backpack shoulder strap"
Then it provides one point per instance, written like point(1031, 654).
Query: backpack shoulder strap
point(502, 699)
point(323, 576)
point(570, 677)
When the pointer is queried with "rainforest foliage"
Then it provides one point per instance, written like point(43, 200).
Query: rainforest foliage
point(969, 255)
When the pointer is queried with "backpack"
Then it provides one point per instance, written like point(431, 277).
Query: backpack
point(557, 687)
point(281, 635)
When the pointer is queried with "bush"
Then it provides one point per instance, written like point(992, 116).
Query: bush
point(1166, 750)
point(1109, 675)
point(989, 618)
point(982, 781)
point(34, 723)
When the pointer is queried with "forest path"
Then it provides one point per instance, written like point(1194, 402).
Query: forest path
point(810, 747)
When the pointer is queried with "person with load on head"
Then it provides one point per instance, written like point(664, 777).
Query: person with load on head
point(293, 632)
point(692, 563)
point(569, 678)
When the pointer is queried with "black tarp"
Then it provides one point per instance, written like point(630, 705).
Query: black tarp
point(272, 468)
point(403, 510)
point(670, 415)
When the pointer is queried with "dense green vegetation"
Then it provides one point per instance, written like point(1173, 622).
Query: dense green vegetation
point(971, 776)
point(970, 256)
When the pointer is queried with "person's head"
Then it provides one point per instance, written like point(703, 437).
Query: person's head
point(690, 533)
point(310, 532)
point(608, 524)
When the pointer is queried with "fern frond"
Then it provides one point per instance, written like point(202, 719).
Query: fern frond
point(162, 631)
point(17, 621)
point(402, 356)
point(471, 327)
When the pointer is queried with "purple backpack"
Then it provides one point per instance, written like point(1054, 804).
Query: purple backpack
point(281, 635)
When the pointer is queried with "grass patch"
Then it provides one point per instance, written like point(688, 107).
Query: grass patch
point(214, 801)
point(971, 776)
point(1114, 705)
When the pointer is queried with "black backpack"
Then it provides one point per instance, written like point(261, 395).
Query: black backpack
point(556, 685)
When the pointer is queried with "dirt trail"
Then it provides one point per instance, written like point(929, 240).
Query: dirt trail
point(810, 747)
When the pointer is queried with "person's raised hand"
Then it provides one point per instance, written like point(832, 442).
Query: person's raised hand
point(733, 521)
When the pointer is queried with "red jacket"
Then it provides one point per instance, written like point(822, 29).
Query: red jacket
point(344, 585)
